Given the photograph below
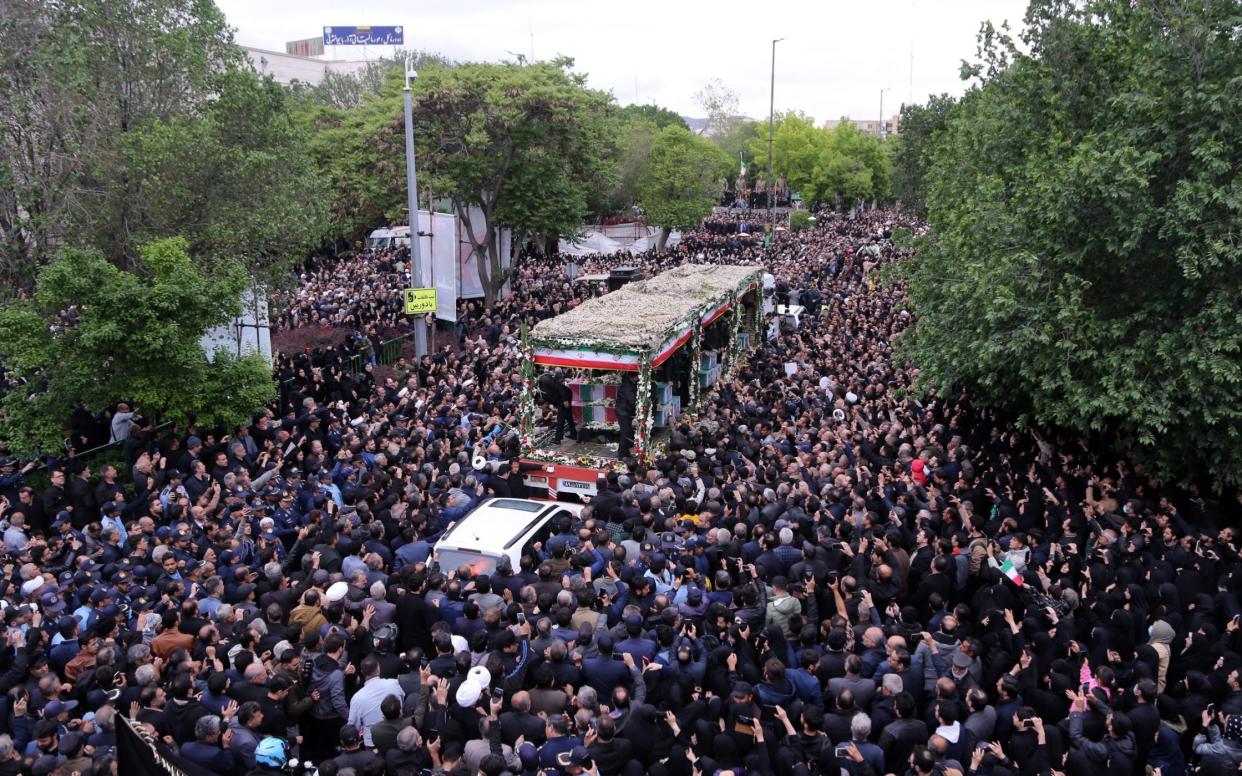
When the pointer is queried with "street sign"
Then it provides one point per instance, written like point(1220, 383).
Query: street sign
point(420, 300)
point(363, 36)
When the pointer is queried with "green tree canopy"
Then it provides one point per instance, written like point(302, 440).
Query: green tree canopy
point(1085, 204)
point(851, 166)
point(796, 147)
point(94, 85)
point(921, 126)
point(236, 179)
point(636, 138)
point(96, 334)
point(681, 184)
point(526, 145)
point(659, 116)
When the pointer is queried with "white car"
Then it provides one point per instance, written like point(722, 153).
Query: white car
point(499, 528)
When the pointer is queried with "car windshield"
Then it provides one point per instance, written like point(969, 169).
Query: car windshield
point(479, 563)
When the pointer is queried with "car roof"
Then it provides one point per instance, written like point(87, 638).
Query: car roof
point(493, 525)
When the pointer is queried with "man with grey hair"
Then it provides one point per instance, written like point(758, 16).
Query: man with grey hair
point(860, 731)
point(10, 758)
point(145, 675)
point(385, 612)
point(210, 747)
point(407, 756)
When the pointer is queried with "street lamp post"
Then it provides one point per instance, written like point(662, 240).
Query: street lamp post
point(879, 130)
point(771, 129)
point(411, 183)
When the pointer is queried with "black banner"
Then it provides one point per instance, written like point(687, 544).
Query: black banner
point(138, 753)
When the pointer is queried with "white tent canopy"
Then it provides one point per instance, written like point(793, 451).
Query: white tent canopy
point(607, 240)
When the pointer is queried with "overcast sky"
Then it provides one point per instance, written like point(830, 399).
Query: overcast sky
point(835, 59)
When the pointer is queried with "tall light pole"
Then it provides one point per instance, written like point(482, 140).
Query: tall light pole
point(771, 128)
point(879, 130)
point(411, 183)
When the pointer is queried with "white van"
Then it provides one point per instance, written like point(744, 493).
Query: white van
point(499, 528)
point(388, 237)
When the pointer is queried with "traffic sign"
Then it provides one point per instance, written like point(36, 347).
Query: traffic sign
point(420, 300)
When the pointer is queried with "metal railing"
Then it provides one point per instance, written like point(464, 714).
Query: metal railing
point(389, 353)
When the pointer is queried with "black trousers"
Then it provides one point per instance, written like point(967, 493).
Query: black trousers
point(564, 417)
point(626, 423)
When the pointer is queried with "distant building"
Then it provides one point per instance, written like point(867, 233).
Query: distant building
point(287, 68)
point(872, 126)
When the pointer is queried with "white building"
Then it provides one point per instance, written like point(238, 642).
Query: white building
point(287, 68)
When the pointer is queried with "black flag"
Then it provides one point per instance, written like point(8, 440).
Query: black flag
point(140, 754)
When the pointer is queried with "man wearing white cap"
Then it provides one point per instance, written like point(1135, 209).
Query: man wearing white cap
point(336, 592)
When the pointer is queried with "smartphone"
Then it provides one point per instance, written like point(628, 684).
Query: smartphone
point(843, 750)
point(618, 656)
point(521, 618)
point(424, 662)
point(498, 693)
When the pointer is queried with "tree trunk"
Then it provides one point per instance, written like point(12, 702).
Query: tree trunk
point(662, 239)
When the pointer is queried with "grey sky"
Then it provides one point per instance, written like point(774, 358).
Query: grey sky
point(835, 58)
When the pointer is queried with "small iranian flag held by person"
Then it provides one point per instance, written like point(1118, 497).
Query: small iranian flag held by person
point(1008, 570)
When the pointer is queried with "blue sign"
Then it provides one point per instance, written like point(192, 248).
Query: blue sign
point(363, 36)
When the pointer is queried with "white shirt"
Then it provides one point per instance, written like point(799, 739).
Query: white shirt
point(364, 707)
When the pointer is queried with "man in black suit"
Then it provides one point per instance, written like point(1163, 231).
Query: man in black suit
point(518, 721)
point(904, 733)
point(556, 393)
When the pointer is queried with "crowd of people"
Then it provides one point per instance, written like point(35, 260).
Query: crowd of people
point(825, 573)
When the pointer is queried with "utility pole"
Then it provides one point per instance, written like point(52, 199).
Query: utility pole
point(771, 128)
point(411, 184)
point(880, 127)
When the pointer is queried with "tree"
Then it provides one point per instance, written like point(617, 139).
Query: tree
point(796, 146)
point(680, 185)
point(852, 166)
point(800, 219)
point(96, 334)
point(1085, 269)
point(235, 179)
point(524, 145)
point(346, 91)
point(636, 139)
point(921, 127)
point(659, 116)
point(720, 103)
point(738, 144)
point(77, 77)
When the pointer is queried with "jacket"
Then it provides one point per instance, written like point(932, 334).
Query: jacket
point(782, 609)
point(328, 678)
point(1162, 642)
point(1100, 752)
point(1223, 751)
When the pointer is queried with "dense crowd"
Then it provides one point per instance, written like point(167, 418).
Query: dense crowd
point(825, 573)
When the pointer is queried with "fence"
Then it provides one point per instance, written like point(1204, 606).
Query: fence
point(388, 354)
